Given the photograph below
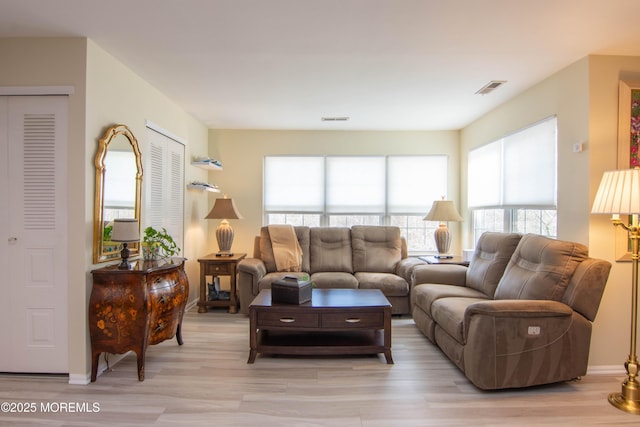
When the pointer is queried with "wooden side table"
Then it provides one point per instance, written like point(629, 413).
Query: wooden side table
point(212, 265)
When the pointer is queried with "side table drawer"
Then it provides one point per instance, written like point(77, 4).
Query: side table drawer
point(365, 319)
point(217, 269)
point(288, 320)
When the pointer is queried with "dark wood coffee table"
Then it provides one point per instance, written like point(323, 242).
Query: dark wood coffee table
point(334, 322)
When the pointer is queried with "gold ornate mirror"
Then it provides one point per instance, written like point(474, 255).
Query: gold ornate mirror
point(118, 187)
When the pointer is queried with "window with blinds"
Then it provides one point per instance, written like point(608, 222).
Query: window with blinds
point(356, 190)
point(512, 182)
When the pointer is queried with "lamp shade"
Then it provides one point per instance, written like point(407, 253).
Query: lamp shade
point(443, 210)
point(125, 230)
point(618, 193)
point(224, 209)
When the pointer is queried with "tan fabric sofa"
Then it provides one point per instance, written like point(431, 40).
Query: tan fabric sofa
point(519, 315)
point(336, 257)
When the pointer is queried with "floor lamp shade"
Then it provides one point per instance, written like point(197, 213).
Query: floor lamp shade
point(443, 211)
point(619, 194)
point(224, 209)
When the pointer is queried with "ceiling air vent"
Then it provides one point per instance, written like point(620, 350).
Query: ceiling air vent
point(334, 119)
point(490, 87)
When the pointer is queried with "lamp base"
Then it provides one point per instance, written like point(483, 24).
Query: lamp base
point(124, 254)
point(443, 256)
point(224, 254)
point(629, 399)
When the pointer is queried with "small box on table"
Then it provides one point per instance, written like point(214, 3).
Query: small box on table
point(291, 290)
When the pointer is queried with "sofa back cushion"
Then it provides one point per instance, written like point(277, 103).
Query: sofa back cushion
point(266, 250)
point(490, 258)
point(540, 268)
point(330, 250)
point(375, 248)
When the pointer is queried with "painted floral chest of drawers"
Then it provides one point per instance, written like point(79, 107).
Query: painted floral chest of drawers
point(132, 309)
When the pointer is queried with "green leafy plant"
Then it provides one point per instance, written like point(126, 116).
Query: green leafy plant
point(106, 233)
point(160, 242)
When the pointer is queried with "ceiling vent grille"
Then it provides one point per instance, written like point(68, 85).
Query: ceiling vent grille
point(490, 87)
point(334, 119)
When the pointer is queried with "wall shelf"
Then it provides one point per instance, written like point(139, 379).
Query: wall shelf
point(203, 187)
point(207, 164)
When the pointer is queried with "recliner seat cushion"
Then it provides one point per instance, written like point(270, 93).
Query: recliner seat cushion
point(540, 268)
point(389, 284)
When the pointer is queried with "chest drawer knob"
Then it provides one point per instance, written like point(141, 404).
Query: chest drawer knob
point(287, 320)
point(352, 320)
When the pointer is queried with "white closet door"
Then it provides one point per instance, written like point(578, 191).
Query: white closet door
point(34, 225)
point(164, 185)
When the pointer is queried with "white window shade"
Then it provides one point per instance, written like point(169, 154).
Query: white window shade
point(294, 184)
point(519, 170)
point(530, 166)
point(355, 185)
point(485, 175)
point(415, 182)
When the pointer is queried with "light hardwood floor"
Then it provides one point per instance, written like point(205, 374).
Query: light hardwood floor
point(208, 382)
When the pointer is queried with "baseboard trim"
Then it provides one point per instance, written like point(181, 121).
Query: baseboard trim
point(606, 370)
point(80, 379)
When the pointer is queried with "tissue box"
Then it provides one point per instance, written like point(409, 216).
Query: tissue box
point(290, 290)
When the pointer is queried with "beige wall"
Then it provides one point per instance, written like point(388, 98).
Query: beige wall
point(242, 153)
point(105, 92)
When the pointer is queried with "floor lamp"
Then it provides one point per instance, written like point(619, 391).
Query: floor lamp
point(619, 194)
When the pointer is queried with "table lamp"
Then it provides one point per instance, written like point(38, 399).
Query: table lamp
point(224, 209)
point(125, 230)
point(443, 211)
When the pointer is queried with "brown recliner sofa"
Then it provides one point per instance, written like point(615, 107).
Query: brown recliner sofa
point(520, 315)
point(365, 257)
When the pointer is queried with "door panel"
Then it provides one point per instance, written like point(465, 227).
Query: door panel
point(36, 249)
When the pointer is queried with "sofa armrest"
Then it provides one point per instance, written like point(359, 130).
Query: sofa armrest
point(450, 274)
point(405, 267)
point(254, 266)
point(518, 308)
point(250, 271)
point(519, 343)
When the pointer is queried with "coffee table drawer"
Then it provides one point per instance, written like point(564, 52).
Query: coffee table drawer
point(367, 319)
point(291, 319)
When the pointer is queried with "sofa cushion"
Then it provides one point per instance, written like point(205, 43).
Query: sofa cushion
point(330, 249)
point(375, 248)
point(490, 258)
point(334, 279)
point(266, 251)
point(540, 268)
point(448, 313)
point(424, 295)
point(390, 284)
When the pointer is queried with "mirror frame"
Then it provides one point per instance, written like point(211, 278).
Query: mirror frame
point(110, 135)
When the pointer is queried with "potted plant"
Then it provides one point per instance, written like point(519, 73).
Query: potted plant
point(158, 244)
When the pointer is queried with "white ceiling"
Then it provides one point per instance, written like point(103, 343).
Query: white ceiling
point(386, 64)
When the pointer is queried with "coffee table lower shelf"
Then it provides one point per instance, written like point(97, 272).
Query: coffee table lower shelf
point(320, 343)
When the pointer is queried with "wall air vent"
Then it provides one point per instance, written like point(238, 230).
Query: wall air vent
point(334, 119)
point(490, 87)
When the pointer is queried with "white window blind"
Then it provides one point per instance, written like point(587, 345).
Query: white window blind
point(518, 170)
point(294, 184)
point(355, 185)
point(414, 183)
